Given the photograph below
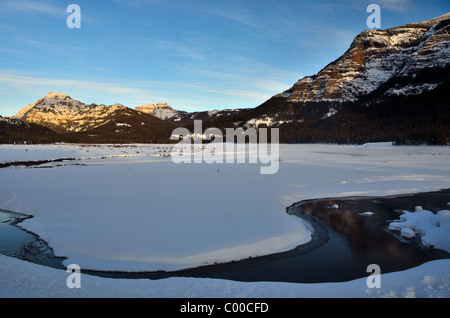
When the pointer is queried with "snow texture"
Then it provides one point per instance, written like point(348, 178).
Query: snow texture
point(433, 228)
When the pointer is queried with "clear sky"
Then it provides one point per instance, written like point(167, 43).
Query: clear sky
point(192, 54)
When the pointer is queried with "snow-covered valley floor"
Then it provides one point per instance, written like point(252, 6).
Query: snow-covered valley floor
point(131, 208)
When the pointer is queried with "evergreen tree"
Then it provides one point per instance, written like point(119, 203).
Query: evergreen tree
point(442, 139)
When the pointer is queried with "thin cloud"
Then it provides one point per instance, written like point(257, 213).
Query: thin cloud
point(88, 87)
point(267, 25)
point(240, 75)
point(232, 92)
point(51, 45)
point(46, 8)
point(175, 48)
point(391, 5)
point(180, 95)
point(34, 7)
point(395, 5)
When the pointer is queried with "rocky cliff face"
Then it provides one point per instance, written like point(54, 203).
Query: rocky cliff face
point(374, 57)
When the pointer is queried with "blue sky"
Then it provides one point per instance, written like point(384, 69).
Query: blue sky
point(192, 54)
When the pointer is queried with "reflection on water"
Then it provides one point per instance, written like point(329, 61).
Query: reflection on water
point(367, 234)
point(345, 241)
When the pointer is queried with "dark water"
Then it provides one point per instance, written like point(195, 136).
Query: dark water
point(19, 243)
point(344, 243)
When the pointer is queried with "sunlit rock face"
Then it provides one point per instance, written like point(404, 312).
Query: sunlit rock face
point(63, 114)
point(373, 58)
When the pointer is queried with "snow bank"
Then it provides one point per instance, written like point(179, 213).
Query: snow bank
point(433, 228)
point(19, 279)
point(377, 144)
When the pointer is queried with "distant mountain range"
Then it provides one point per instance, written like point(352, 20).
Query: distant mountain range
point(390, 85)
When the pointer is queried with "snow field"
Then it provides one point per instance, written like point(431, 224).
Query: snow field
point(127, 209)
point(19, 279)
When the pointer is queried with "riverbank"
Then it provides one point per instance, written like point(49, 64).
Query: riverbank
point(21, 279)
point(348, 234)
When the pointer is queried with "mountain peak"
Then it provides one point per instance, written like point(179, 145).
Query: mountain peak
point(374, 57)
point(53, 95)
point(160, 110)
point(149, 108)
point(62, 113)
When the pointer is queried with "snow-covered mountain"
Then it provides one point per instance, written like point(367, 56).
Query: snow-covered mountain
point(374, 57)
point(160, 110)
point(62, 113)
point(390, 85)
point(73, 121)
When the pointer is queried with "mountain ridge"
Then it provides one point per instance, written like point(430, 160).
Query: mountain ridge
point(61, 113)
point(390, 52)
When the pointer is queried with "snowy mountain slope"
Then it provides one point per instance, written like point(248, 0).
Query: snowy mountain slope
point(160, 110)
point(374, 57)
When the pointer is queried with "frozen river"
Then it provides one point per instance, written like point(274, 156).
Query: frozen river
point(344, 242)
